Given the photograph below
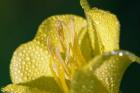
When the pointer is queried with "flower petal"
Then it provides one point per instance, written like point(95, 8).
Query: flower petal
point(40, 85)
point(86, 82)
point(85, 45)
point(70, 25)
point(104, 73)
point(30, 61)
point(104, 30)
point(59, 25)
point(62, 36)
point(56, 44)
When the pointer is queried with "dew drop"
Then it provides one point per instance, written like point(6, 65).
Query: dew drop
point(120, 54)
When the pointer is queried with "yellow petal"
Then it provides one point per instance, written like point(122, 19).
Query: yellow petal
point(40, 85)
point(86, 82)
point(59, 25)
point(104, 30)
point(104, 73)
point(57, 39)
point(62, 36)
point(86, 47)
point(30, 61)
point(67, 24)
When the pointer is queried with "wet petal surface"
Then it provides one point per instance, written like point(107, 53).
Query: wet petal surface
point(104, 73)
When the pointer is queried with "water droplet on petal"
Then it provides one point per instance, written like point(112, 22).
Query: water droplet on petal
point(120, 54)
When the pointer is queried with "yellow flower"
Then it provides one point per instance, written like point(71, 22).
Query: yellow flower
point(70, 54)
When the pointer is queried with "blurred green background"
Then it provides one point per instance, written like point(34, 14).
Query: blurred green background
point(19, 20)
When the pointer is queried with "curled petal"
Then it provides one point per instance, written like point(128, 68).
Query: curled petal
point(104, 73)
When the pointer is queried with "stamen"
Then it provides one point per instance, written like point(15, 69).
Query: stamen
point(72, 29)
point(60, 34)
point(62, 62)
point(59, 69)
point(66, 54)
point(77, 53)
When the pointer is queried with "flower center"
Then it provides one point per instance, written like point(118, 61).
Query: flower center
point(65, 53)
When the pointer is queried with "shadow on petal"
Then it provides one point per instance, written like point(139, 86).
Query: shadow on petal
point(40, 85)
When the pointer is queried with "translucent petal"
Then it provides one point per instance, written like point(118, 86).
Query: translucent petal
point(59, 25)
point(40, 85)
point(104, 73)
point(68, 24)
point(63, 35)
point(104, 30)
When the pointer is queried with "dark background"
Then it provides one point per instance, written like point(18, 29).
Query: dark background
point(19, 20)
